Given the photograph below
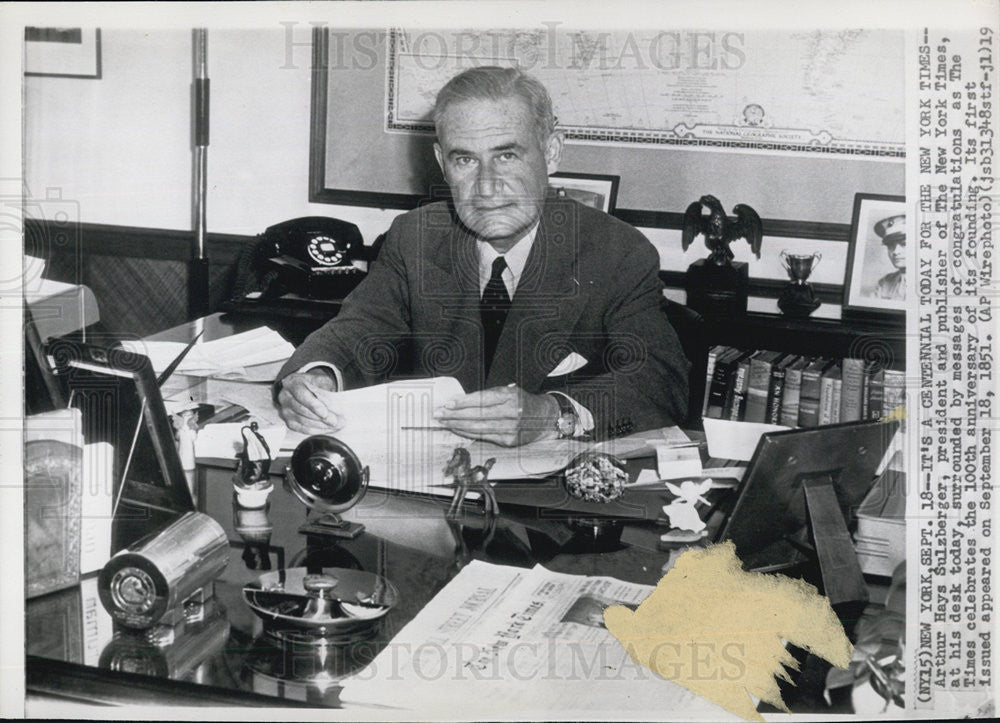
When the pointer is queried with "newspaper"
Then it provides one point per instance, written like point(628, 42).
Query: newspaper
point(531, 643)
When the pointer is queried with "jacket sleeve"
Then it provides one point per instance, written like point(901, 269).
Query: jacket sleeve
point(644, 381)
point(364, 340)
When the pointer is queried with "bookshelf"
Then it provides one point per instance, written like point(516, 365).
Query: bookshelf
point(883, 342)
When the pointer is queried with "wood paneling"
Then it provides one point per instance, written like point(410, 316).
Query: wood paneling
point(139, 275)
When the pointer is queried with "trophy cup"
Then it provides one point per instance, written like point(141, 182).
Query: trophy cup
point(716, 287)
point(798, 299)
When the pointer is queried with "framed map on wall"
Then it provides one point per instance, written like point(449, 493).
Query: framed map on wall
point(792, 123)
point(758, 91)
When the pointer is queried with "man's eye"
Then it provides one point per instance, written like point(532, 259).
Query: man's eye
point(463, 161)
point(508, 156)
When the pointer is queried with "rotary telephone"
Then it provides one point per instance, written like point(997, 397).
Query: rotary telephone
point(313, 256)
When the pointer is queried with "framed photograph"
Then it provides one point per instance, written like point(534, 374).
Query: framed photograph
point(875, 281)
point(62, 52)
point(591, 189)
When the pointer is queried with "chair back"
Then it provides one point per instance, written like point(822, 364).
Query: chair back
point(690, 328)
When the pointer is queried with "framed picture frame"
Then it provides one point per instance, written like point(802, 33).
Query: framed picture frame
point(591, 189)
point(62, 52)
point(875, 281)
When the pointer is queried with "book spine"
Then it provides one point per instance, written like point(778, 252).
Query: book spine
point(717, 394)
point(893, 394)
point(809, 397)
point(713, 354)
point(792, 397)
point(850, 398)
point(838, 388)
point(730, 396)
point(757, 388)
point(775, 391)
point(825, 400)
point(876, 394)
point(740, 382)
point(866, 380)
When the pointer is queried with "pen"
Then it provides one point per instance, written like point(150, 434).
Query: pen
point(177, 361)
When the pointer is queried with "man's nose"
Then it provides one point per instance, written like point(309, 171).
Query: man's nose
point(488, 182)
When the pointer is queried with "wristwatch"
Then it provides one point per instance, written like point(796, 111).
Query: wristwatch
point(567, 419)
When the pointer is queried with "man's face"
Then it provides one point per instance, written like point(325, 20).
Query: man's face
point(496, 167)
point(897, 254)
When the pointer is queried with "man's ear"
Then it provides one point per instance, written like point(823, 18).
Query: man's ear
point(553, 151)
point(439, 155)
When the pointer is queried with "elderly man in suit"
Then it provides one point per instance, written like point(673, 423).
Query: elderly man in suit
point(548, 312)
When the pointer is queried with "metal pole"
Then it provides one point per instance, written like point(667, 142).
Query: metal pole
point(198, 302)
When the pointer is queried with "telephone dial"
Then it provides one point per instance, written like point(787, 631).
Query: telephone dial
point(313, 256)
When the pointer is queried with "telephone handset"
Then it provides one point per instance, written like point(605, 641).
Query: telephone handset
point(313, 256)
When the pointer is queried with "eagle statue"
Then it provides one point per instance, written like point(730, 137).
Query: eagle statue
point(719, 230)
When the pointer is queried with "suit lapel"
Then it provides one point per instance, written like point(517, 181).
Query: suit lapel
point(546, 305)
point(450, 281)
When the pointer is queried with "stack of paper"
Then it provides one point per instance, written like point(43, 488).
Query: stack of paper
point(392, 429)
point(254, 355)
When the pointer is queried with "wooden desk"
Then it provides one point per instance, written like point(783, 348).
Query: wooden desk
point(73, 652)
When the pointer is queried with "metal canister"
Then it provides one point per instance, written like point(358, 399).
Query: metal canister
point(139, 586)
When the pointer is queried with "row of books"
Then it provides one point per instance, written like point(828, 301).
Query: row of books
point(795, 390)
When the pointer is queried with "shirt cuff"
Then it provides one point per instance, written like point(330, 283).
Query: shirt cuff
point(584, 419)
point(324, 365)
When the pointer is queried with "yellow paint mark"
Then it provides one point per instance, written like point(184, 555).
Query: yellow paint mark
point(718, 630)
point(897, 413)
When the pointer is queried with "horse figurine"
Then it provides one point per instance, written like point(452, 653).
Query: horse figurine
point(466, 478)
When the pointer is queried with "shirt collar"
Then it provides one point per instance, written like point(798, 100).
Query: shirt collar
point(516, 257)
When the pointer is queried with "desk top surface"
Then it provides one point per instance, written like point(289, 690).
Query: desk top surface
point(407, 539)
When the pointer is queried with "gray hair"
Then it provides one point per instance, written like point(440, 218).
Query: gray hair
point(491, 82)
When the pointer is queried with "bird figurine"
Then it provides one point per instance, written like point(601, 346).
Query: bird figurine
point(719, 230)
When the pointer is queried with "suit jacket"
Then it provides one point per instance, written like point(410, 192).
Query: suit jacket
point(591, 286)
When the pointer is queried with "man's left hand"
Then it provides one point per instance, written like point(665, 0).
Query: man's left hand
point(507, 416)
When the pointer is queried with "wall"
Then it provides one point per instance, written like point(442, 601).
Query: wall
point(120, 147)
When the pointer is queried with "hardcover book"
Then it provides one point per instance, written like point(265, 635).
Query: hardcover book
point(776, 389)
point(793, 391)
point(721, 377)
point(826, 392)
point(759, 385)
point(894, 393)
point(713, 354)
point(853, 381)
point(809, 396)
point(740, 383)
point(876, 393)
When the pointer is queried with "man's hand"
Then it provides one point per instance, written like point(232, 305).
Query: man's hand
point(301, 409)
point(508, 416)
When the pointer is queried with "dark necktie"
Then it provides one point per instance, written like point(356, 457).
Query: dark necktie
point(493, 308)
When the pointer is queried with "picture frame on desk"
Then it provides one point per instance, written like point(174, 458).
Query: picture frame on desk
point(875, 279)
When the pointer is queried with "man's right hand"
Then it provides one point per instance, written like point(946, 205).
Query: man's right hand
point(302, 409)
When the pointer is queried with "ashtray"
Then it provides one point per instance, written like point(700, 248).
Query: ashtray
point(320, 606)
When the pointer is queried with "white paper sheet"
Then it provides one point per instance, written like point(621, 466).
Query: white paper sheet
point(224, 441)
point(230, 357)
point(735, 440)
